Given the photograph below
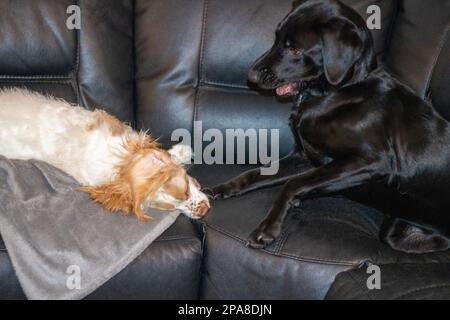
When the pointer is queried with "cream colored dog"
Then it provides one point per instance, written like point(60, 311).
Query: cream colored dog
point(120, 168)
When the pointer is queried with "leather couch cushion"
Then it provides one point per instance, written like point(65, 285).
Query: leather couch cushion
point(419, 50)
point(237, 32)
point(23, 40)
point(321, 239)
point(92, 66)
point(192, 60)
point(403, 281)
point(168, 269)
point(388, 10)
point(10, 288)
point(438, 92)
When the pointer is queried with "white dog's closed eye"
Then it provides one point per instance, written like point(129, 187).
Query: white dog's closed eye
point(181, 154)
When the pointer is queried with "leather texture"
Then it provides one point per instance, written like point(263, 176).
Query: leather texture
point(163, 64)
point(200, 74)
point(321, 239)
point(419, 50)
point(418, 281)
point(92, 66)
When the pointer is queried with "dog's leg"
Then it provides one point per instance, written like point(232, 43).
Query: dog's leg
point(404, 236)
point(251, 180)
point(332, 177)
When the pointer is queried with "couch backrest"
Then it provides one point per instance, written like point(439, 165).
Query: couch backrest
point(419, 50)
point(192, 57)
point(92, 66)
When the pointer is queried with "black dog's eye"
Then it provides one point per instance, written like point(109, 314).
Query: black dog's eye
point(287, 44)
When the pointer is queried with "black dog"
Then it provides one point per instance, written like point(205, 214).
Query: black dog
point(357, 125)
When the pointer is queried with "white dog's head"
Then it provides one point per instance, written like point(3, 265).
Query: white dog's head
point(179, 191)
point(154, 178)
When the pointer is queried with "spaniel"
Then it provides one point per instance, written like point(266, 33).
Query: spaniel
point(121, 169)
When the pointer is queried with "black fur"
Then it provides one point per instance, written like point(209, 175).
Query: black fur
point(357, 125)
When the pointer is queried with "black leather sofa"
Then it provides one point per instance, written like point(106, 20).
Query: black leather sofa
point(163, 64)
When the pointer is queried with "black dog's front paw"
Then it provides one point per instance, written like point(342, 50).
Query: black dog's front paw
point(262, 236)
point(224, 191)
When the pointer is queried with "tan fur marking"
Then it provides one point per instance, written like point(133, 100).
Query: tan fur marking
point(115, 125)
point(113, 196)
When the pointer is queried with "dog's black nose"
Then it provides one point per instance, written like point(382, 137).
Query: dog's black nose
point(253, 75)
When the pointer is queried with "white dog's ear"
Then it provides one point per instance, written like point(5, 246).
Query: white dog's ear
point(181, 154)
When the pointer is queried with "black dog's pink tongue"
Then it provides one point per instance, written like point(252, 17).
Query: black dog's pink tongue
point(286, 89)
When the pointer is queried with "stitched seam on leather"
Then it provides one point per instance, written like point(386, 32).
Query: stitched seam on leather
point(63, 81)
point(414, 263)
point(435, 60)
point(13, 77)
point(77, 61)
point(388, 40)
point(203, 270)
point(235, 90)
point(175, 238)
point(224, 84)
point(443, 285)
point(55, 77)
point(71, 77)
point(284, 235)
point(203, 43)
point(314, 260)
point(134, 64)
point(298, 258)
point(283, 238)
point(201, 58)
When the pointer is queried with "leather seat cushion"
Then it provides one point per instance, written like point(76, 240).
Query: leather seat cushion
point(402, 281)
point(321, 239)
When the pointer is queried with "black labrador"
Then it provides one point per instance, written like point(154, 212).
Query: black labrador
point(355, 123)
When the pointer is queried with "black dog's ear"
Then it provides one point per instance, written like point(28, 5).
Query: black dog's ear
point(342, 46)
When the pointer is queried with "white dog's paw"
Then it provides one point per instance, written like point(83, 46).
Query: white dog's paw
point(181, 153)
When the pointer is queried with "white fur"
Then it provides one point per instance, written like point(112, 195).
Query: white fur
point(33, 126)
point(181, 153)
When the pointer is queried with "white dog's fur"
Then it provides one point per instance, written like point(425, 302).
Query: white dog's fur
point(73, 139)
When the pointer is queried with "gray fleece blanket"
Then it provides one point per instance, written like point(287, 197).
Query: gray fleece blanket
point(63, 245)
